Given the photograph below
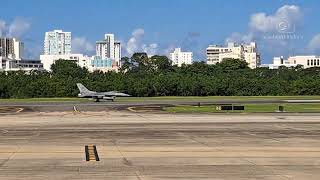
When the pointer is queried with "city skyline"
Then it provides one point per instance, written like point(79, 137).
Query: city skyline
point(280, 28)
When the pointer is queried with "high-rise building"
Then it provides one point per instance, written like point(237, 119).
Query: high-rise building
point(109, 49)
point(109, 38)
point(57, 42)
point(117, 53)
point(246, 52)
point(178, 57)
point(11, 48)
point(101, 49)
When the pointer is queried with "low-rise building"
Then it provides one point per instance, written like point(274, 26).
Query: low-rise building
point(305, 61)
point(94, 63)
point(246, 52)
point(7, 64)
point(179, 57)
point(104, 65)
point(279, 62)
point(293, 61)
point(80, 59)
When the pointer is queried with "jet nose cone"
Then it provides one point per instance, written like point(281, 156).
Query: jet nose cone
point(124, 95)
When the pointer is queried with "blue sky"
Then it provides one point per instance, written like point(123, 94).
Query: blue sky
point(157, 26)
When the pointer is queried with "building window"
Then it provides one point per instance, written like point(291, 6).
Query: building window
point(311, 62)
point(308, 63)
point(318, 62)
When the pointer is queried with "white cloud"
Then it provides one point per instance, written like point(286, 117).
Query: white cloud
point(263, 27)
point(151, 49)
point(314, 44)
point(2, 27)
point(82, 45)
point(285, 18)
point(138, 33)
point(238, 37)
point(135, 44)
point(18, 27)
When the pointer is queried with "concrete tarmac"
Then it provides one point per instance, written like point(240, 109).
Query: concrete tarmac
point(47, 106)
point(144, 146)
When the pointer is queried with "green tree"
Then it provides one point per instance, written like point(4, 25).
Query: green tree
point(230, 64)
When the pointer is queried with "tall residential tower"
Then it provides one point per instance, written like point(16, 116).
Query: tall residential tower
point(109, 49)
point(11, 48)
point(57, 42)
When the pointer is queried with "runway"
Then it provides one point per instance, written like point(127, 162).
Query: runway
point(51, 145)
point(122, 105)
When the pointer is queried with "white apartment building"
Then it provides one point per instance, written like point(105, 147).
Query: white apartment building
point(80, 59)
point(178, 57)
point(57, 42)
point(246, 52)
point(306, 61)
point(109, 48)
point(109, 51)
point(293, 61)
point(117, 53)
point(11, 48)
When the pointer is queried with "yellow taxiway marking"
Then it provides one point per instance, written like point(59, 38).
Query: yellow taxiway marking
point(4, 110)
point(132, 109)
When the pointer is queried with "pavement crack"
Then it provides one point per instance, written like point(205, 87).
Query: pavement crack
point(139, 175)
point(193, 139)
point(10, 157)
point(124, 159)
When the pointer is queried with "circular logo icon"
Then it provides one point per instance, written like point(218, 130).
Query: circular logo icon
point(284, 26)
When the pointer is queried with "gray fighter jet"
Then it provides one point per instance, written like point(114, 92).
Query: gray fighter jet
point(111, 95)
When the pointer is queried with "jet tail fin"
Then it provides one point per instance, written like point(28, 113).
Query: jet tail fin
point(82, 88)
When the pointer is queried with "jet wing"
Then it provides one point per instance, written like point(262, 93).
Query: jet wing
point(115, 93)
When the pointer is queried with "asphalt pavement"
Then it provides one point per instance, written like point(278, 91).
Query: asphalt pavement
point(139, 146)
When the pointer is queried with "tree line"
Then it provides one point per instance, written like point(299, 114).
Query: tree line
point(141, 75)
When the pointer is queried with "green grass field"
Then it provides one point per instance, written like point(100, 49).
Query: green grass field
point(249, 108)
point(167, 99)
point(209, 98)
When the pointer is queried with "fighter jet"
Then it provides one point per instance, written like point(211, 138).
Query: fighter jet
point(111, 95)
